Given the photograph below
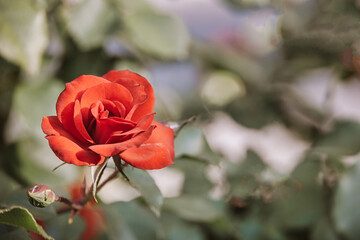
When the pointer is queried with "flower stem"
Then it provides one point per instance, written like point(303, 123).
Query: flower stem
point(82, 202)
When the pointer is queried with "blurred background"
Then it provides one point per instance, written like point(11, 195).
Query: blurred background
point(274, 84)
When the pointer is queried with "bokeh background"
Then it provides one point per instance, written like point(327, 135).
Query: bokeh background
point(274, 85)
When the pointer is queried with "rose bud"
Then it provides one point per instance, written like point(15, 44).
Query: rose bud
point(112, 115)
point(41, 196)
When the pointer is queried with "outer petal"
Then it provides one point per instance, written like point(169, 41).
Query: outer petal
point(66, 100)
point(79, 124)
point(112, 149)
point(139, 87)
point(66, 147)
point(157, 152)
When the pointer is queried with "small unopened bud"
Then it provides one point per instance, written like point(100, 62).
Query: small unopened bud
point(41, 196)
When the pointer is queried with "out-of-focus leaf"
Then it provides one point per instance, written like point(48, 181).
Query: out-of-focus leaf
point(140, 220)
point(331, 33)
point(227, 86)
point(189, 141)
point(196, 181)
point(60, 229)
point(250, 229)
point(10, 232)
point(147, 187)
point(299, 203)
point(191, 144)
point(193, 208)
point(34, 169)
point(251, 165)
point(133, 5)
point(244, 112)
point(21, 217)
point(242, 177)
point(159, 34)
point(342, 140)
point(323, 230)
point(33, 101)
point(23, 33)
point(10, 185)
point(243, 186)
point(346, 211)
point(117, 227)
point(250, 70)
point(88, 22)
point(182, 231)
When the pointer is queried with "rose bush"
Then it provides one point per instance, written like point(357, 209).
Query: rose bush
point(100, 117)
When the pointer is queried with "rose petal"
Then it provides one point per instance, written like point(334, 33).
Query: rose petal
point(157, 152)
point(113, 108)
point(109, 150)
point(142, 125)
point(79, 124)
point(66, 147)
point(106, 127)
point(105, 91)
point(144, 100)
point(65, 103)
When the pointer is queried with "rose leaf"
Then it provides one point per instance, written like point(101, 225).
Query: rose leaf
point(20, 217)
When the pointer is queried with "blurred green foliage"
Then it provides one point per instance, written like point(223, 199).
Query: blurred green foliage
point(254, 72)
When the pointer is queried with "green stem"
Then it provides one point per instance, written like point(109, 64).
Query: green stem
point(79, 204)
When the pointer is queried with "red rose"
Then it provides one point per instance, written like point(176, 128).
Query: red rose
point(100, 117)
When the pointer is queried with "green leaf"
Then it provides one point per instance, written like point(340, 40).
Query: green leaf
point(250, 229)
point(140, 220)
point(147, 187)
point(323, 230)
point(185, 231)
point(193, 208)
point(191, 144)
point(299, 203)
point(346, 207)
point(196, 181)
point(189, 141)
point(59, 227)
point(21, 217)
point(35, 163)
point(117, 227)
point(251, 165)
point(327, 33)
point(10, 185)
point(132, 5)
point(88, 22)
point(158, 34)
point(10, 232)
point(242, 177)
point(244, 112)
point(23, 33)
point(33, 101)
point(342, 140)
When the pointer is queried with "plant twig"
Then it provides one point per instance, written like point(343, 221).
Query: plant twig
point(82, 202)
